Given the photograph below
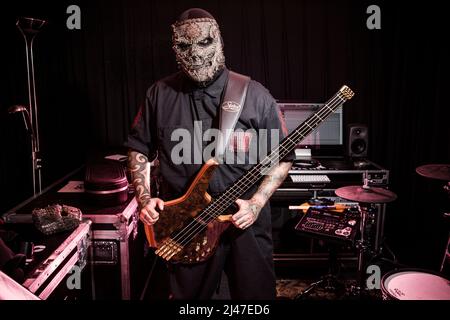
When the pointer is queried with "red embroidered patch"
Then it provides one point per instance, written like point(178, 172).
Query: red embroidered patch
point(240, 141)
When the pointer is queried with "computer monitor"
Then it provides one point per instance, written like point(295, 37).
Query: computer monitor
point(326, 139)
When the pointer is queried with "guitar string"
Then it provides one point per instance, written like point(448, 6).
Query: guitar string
point(245, 177)
point(224, 201)
point(238, 189)
point(251, 174)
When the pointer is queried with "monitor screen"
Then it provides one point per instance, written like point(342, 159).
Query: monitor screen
point(326, 138)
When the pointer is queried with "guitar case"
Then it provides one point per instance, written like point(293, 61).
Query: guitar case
point(106, 183)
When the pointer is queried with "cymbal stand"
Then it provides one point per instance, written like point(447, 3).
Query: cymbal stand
point(380, 245)
point(328, 282)
point(446, 256)
point(362, 246)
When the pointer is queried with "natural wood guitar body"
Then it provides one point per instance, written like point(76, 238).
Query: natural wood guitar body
point(184, 211)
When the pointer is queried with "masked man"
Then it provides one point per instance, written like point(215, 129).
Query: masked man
point(189, 100)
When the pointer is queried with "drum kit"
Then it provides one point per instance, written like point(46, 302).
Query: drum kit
point(403, 283)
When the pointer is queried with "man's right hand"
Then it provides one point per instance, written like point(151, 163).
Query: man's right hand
point(148, 213)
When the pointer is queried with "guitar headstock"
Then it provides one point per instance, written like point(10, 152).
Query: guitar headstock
point(346, 92)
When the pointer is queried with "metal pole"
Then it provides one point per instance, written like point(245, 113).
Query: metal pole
point(30, 27)
point(36, 155)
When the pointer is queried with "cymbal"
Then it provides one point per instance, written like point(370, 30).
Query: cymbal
point(366, 194)
point(435, 171)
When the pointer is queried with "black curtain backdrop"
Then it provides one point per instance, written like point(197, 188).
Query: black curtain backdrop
point(90, 83)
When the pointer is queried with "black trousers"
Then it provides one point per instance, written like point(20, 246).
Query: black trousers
point(246, 258)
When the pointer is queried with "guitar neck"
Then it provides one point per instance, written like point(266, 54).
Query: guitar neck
point(287, 145)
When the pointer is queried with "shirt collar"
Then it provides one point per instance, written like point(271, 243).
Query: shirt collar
point(215, 88)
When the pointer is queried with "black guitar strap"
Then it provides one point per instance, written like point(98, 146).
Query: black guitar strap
point(230, 110)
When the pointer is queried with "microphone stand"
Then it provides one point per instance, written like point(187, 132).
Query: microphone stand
point(30, 27)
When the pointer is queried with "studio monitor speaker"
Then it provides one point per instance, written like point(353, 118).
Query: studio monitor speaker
point(358, 140)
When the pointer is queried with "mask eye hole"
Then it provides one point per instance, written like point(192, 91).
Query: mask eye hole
point(183, 46)
point(205, 42)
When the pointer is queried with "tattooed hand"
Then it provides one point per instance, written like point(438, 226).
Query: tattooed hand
point(249, 209)
point(148, 213)
point(247, 214)
point(140, 173)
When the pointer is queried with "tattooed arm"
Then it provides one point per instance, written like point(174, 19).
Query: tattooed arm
point(249, 209)
point(140, 174)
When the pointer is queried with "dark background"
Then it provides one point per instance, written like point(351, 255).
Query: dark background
point(90, 83)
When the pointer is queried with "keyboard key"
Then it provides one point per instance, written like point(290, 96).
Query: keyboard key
point(310, 178)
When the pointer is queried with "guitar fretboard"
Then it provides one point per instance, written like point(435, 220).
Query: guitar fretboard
point(257, 172)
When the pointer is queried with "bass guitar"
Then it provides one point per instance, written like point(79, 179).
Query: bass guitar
point(189, 227)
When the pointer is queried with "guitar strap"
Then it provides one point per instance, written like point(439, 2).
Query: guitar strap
point(230, 110)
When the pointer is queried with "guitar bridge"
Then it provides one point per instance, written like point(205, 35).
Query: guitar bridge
point(168, 249)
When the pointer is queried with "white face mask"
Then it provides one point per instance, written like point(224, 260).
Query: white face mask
point(198, 48)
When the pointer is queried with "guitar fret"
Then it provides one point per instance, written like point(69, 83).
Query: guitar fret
point(174, 245)
point(217, 206)
point(306, 123)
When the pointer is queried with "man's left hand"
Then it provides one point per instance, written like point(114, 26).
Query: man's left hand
point(247, 214)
